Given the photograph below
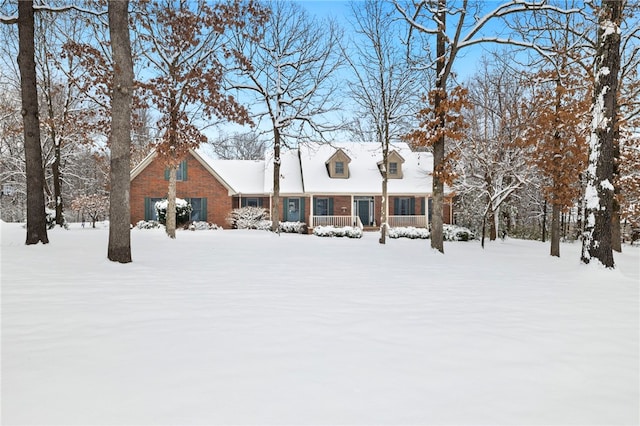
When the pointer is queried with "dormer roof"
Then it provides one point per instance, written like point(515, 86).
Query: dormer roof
point(338, 165)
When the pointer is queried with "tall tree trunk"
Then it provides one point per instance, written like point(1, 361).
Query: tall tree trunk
point(385, 202)
point(119, 249)
point(56, 174)
point(275, 204)
point(484, 229)
point(544, 221)
point(599, 192)
point(170, 223)
point(437, 235)
point(616, 232)
point(616, 229)
point(57, 183)
point(555, 229)
point(36, 217)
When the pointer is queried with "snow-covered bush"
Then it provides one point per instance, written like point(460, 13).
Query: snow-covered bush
point(183, 211)
point(409, 232)
point(249, 218)
point(457, 233)
point(293, 227)
point(203, 226)
point(332, 231)
point(50, 218)
point(148, 224)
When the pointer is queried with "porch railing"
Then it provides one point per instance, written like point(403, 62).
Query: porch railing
point(338, 221)
point(417, 221)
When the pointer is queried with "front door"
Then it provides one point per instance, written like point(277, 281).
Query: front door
point(363, 207)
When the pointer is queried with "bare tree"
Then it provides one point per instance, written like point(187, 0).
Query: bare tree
point(599, 192)
point(492, 158)
point(239, 146)
point(186, 54)
point(456, 26)
point(385, 87)
point(289, 73)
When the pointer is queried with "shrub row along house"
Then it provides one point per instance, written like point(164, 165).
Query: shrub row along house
point(320, 184)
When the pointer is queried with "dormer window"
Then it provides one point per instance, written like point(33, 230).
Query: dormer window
point(338, 165)
point(394, 160)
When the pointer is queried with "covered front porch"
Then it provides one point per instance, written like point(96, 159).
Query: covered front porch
point(363, 211)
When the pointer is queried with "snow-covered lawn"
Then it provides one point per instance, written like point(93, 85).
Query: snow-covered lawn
point(246, 327)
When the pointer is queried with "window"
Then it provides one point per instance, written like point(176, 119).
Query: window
point(404, 206)
point(198, 209)
point(322, 207)
point(181, 172)
point(251, 202)
point(393, 168)
point(339, 167)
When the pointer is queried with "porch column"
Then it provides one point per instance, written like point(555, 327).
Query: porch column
point(353, 212)
point(311, 210)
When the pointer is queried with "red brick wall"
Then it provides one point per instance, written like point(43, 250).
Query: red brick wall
point(199, 184)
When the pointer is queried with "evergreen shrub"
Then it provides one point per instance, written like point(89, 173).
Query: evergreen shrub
point(183, 211)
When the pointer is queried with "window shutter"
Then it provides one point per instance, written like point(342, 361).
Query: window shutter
point(422, 210)
point(166, 173)
point(184, 170)
point(396, 206)
point(412, 206)
point(302, 214)
point(260, 202)
point(147, 208)
point(243, 202)
point(330, 207)
point(285, 205)
point(204, 210)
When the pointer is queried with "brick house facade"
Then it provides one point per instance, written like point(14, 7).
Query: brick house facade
point(309, 191)
point(150, 184)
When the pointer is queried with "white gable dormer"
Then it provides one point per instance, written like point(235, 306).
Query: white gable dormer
point(338, 165)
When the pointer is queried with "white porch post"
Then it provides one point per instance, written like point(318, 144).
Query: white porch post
point(353, 210)
point(311, 211)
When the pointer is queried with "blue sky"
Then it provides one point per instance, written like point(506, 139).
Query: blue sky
point(466, 62)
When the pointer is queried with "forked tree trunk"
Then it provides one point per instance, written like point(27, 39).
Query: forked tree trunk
point(119, 249)
point(36, 217)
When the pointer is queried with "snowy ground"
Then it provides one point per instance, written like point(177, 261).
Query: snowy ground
point(245, 327)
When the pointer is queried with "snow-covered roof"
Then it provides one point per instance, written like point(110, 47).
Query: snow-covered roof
point(304, 171)
point(243, 176)
point(364, 175)
point(290, 174)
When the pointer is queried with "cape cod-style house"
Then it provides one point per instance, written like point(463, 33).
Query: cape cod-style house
point(320, 184)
